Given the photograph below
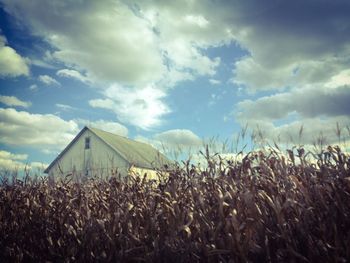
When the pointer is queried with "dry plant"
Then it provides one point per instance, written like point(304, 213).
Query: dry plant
point(264, 207)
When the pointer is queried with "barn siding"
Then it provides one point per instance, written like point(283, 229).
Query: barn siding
point(100, 159)
point(150, 174)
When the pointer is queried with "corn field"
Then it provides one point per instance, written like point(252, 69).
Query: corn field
point(264, 207)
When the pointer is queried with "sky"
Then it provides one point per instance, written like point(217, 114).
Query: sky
point(170, 72)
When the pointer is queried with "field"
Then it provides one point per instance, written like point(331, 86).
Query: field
point(262, 207)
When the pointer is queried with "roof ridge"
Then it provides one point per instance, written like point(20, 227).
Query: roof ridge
point(137, 147)
point(131, 140)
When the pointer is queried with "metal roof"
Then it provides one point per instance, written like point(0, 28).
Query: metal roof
point(139, 154)
point(135, 153)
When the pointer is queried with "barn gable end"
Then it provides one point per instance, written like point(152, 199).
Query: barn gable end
point(94, 152)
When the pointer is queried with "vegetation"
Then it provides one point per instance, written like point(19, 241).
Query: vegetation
point(262, 207)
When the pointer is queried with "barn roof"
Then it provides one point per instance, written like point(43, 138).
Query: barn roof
point(136, 153)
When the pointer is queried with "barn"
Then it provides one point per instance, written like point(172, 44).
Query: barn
point(97, 153)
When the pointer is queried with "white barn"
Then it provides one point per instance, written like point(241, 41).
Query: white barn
point(102, 154)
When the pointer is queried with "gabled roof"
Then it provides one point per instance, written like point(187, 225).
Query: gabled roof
point(135, 153)
point(139, 154)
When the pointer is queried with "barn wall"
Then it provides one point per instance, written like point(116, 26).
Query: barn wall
point(98, 161)
point(150, 174)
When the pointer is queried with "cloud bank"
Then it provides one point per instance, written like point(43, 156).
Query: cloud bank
point(14, 101)
point(139, 107)
point(12, 64)
point(297, 54)
point(46, 132)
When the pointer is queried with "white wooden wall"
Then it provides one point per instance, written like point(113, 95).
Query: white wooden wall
point(100, 159)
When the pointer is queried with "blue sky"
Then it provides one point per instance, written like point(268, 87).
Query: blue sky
point(170, 73)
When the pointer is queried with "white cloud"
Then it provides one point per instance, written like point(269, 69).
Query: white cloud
point(8, 155)
point(178, 144)
point(256, 76)
point(141, 107)
point(42, 63)
point(150, 40)
point(36, 130)
point(11, 63)
point(38, 166)
point(141, 45)
point(341, 79)
point(312, 130)
point(70, 73)
point(48, 80)
point(152, 46)
point(214, 81)
point(309, 101)
point(125, 50)
point(179, 137)
point(183, 144)
point(64, 107)
point(188, 57)
point(12, 162)
point(185, 31)
point(315, 107)
point(197, 20)
point(33, 87)
point(110, 126)
point(46, 132)
point(14, 101)
point(146, 41)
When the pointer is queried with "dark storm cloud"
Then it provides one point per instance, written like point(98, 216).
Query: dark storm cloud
point(290, 42)
point(326, 21)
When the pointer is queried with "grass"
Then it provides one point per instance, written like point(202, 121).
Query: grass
point(264, 206)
